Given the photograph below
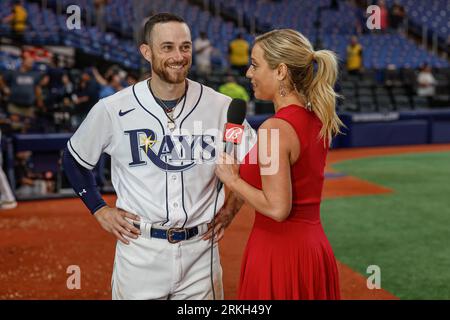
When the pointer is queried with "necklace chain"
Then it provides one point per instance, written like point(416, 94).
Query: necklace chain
point(170, 111)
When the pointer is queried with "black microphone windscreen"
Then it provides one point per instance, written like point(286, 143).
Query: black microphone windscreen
point(236, 111)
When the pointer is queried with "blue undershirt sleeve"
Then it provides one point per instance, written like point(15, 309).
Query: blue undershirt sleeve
point(83, 182)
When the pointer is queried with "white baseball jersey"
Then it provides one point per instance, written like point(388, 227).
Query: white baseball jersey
point(163, 176)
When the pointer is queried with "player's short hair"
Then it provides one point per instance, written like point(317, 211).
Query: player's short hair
point(154, 20)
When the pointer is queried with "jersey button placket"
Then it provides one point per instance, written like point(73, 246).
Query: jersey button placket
point(175, 201)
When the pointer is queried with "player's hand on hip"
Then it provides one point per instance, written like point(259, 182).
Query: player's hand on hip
point(114, 221)
point(219, 231)
point(221, 221)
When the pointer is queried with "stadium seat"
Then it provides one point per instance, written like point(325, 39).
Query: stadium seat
point(420, 102)
point(364, 91)
point(366, 104)
point(348, 93)
point(384, 103)
point(402, 102)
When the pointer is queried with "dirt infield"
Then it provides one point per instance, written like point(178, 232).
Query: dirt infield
point(41, 239)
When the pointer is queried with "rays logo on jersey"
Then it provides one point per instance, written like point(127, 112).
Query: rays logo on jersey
point(175, 153)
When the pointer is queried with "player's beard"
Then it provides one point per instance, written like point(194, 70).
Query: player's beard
point(174, 77)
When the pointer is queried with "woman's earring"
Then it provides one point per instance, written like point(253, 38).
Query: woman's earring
point(282, 89)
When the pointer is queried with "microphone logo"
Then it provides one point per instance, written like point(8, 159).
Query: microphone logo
point(233, 133)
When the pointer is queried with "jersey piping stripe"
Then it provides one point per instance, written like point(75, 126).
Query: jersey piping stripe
point(182, 184)
point(135, 96)
point(167, 203)
point(72, 148)
point(195, 106)
point(182, 192)
point(164, 131)
point(182, 199)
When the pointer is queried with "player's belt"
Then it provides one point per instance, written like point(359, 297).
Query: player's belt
point(174, 235)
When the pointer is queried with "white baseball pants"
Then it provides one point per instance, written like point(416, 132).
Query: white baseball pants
point(152, 268)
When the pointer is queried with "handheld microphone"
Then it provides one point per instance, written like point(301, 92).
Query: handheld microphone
point(234, 130)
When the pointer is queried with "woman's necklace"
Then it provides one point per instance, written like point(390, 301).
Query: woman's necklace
point(170, 112)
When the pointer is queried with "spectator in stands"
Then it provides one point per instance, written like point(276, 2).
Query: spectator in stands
point(46, 117)
point(426, 83)
point(202, 53)
point(18, 20)
point(56, 84)
point(64, 107)
point(100, 14)
point(384, 16)
point(354, 57)
point(114, 85)
point(397, 16)
point(48, 99)
point(234, 90)
point(85, 96)
point(110, 84)
point(24, 92)
point(239, 54)
point(68, 89)
point(131, 79)
point(361, 18)
point(217, 59)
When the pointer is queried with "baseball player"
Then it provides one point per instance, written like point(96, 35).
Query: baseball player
point(163, 135)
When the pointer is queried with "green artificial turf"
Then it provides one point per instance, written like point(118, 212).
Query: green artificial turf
point(406, 233)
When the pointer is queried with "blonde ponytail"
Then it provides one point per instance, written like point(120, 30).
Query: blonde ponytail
point(321, 95)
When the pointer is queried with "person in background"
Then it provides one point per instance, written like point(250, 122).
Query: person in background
point(84, 97)
point(234, 90)
point(359, 7)
point(397, 15)
point(384, 16)
point(100, 17)
point(239, 54)
point(354, 57)
point(24, 93)
point(110, 84)
point(114, 85)
point(18, 20)
point(130, 79)
point(426, 83)
point(56, 74)
point(65, 106)
point(202, 54)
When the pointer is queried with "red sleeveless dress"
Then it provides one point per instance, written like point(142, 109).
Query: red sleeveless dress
point(292, 259)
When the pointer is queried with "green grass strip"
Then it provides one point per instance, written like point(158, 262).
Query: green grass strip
point(406, 233)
